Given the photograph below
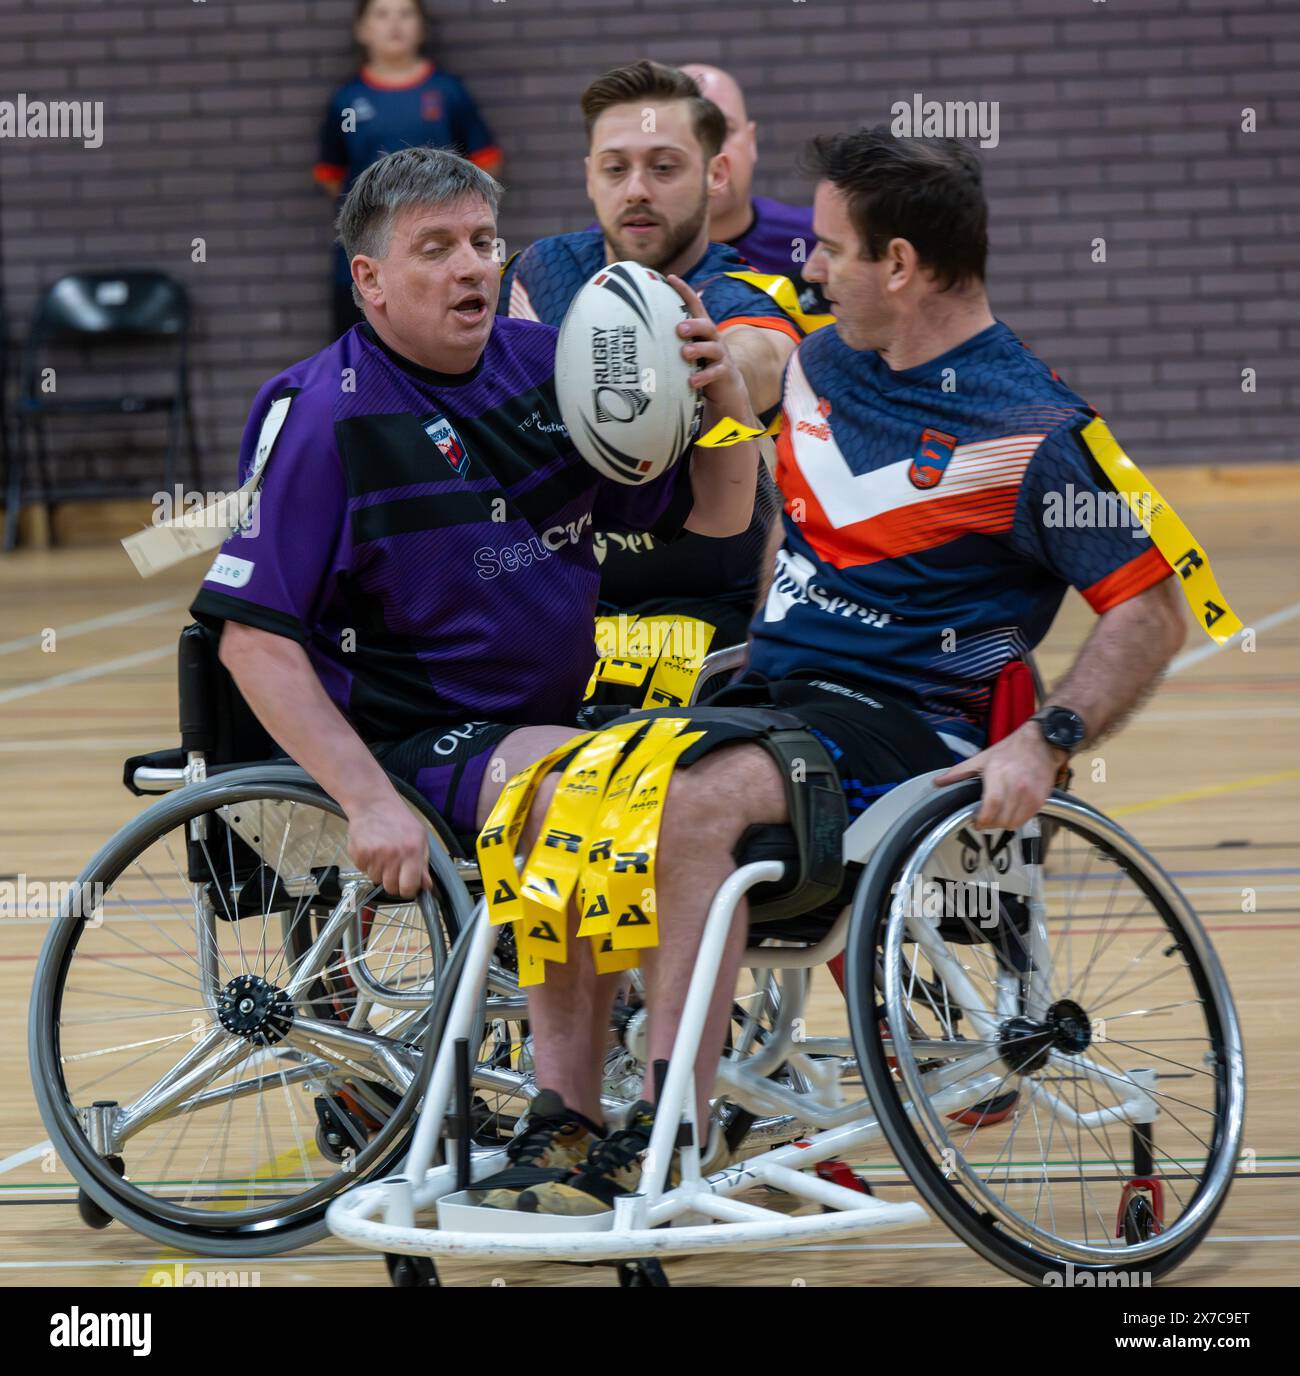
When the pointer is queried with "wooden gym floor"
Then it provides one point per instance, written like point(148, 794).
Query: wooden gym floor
point(1207, 777)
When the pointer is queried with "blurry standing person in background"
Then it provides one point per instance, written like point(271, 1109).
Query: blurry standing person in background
point(399, 99)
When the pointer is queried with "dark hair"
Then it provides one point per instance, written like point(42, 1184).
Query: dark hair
point(927, 191)
point(364, 5)
point(646, 80)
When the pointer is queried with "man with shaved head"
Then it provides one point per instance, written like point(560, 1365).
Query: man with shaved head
point(771, 235)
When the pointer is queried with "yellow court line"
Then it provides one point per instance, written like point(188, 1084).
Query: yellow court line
point(1211, 791)
point(294, 1157)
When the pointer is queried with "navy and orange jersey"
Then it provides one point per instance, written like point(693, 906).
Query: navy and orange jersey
point(924, 546)
point(541, 281)
point(431, 110)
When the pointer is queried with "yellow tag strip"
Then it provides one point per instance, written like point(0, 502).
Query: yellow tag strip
point(500, 836)
point(593, 881)
point(728, 432)
point(781, 290)
point(632, 864)
point(685, 641)
point(1167, 531)
point(557, 855)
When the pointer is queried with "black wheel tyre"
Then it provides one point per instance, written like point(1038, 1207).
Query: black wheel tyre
point(91, 1213)
point(633, 1275)
point(871, 905)
point(1139, 1220)
point(411, 1273)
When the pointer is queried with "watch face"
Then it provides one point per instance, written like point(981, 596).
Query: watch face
point(1062, 728)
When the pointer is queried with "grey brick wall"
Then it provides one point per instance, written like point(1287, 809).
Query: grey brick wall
point(1120, 120)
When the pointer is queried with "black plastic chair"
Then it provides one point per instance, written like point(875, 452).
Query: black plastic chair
point(95, 310)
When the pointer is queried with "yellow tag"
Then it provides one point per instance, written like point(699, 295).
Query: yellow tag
point(781, 290)
point(685, 642)
point(1167, 531)
point(500, 836)
point(632, 901)
point(728, 432)
point(557, 855)
point(594, 905)
point(608, 961)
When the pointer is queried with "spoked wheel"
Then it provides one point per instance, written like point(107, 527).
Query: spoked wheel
point(231, 1011)
point(1085, 985)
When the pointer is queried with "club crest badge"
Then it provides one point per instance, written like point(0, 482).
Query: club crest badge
point(440, 431)
point(931, 459)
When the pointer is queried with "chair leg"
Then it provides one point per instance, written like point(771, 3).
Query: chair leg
point(14, 489)
point(191, 439)
point(173, 439)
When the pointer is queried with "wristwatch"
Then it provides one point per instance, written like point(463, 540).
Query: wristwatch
point(1061, 728)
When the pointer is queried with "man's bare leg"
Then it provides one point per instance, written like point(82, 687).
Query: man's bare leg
point(569, 1014)
point(709, 807)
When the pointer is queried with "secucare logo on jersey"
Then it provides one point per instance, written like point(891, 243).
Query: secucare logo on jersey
point(440, 431)
point(860, 518)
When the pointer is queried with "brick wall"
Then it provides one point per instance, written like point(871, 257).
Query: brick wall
point(1119, 120)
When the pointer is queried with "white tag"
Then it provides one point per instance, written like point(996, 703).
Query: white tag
point(231, 571)
point(172, 542)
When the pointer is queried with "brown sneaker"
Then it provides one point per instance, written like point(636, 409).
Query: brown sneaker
point(554, 1141)
point(612, 1167)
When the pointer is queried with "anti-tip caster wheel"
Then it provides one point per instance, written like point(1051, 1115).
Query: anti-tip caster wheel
point(1140, 1222)
point(91, 1214)
point(411, 1273)
point(634, 1274)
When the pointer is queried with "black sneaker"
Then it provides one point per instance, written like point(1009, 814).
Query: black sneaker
point(612, 1168)
point(554, 1141)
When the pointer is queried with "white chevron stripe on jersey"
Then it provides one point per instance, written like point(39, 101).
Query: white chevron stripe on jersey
point(847, 497)
point(520, 307)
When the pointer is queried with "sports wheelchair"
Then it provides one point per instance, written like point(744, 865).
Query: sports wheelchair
point(1038, 1029)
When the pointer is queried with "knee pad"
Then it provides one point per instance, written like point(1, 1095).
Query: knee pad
point(814, 799)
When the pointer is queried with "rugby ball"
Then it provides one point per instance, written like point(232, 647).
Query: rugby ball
point(620, 378)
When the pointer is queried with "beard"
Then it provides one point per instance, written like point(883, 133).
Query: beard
point(677, 237)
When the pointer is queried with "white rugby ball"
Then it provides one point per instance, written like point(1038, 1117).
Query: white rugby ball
point(620, 378)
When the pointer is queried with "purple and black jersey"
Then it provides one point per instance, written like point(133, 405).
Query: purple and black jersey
point(428, 537)
point(714, 579)
point(780, 239)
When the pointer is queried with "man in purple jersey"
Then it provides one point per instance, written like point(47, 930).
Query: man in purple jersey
point(422, 585)
point(773, 236)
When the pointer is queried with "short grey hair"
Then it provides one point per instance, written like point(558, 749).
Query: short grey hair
point(411, 176)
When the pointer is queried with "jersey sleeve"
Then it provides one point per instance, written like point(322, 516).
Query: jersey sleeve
point(332, 164)
point(1070, 521)
point(731, 302)
point(470, 130)
point(272, 573)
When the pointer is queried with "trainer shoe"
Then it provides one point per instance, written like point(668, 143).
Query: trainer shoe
point(554, 1141)
point(612, 1168)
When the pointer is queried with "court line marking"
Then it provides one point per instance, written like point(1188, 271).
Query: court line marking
point(1203, 652)
point(95, 623)
point(21, 1158)
point(1210, 791)
point(108, 666)
point(339, 1258)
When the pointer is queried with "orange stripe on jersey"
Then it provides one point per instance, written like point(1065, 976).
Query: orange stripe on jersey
point(1139, 574)
point(762, 322)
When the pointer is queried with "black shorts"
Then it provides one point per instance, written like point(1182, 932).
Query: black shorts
point(446, 765)
point(875, 741)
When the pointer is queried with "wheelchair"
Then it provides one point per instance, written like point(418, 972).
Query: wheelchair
point(1038, 1028)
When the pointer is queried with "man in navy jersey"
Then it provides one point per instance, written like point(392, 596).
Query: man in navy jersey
point(650, 190)
point(773, 236)
point(920, 446)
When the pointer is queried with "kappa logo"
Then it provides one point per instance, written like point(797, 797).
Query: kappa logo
point(441, 432)
point(931, 459)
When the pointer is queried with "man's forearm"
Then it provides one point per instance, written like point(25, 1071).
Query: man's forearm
point(724, 481)
point(279, 684)
point(1123, 658)
point(760, 355)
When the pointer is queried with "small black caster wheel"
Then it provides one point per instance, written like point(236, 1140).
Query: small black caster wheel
point(1140, 1222)
point(92, 1215)
point(635, 1274)
point(411, 1273)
